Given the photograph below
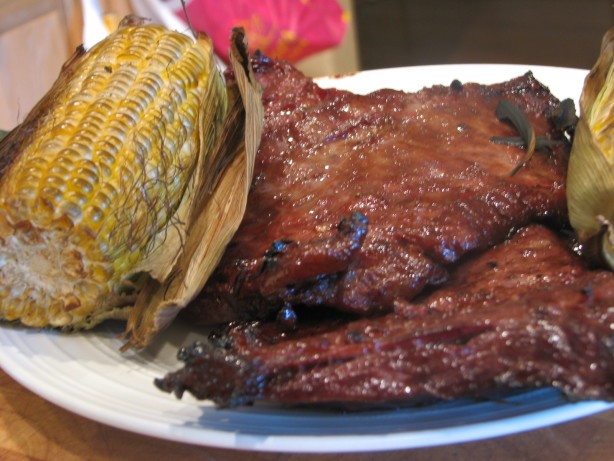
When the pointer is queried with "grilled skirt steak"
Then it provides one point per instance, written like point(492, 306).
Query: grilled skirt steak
point(525, 314)
point(360, 201)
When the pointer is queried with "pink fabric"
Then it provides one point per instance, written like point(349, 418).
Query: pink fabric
point(283, 29)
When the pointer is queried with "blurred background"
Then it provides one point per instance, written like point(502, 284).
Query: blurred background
point(37, 36)
point(563, 33)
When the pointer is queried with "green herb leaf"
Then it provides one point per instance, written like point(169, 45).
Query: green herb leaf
point(565, 118)
point(541, 142)
point(506, 111)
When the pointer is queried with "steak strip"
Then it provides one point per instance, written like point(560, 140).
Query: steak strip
point(419, 167)
point(525, 314)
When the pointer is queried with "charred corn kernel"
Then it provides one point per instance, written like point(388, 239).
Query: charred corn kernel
point(98, 170)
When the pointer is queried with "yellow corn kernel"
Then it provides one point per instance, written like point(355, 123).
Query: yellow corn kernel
point(98, 170)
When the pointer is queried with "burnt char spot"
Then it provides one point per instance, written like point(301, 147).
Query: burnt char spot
point(456, 85)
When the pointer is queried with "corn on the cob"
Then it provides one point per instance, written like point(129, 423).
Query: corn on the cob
point(219, 208)
point(590, 176)
point(91, 181)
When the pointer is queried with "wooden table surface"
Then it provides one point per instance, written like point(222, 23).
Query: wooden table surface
point(34, 429)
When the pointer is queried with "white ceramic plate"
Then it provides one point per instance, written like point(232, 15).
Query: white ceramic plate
point(86, 374)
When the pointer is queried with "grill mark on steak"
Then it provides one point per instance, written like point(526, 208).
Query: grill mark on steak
point(420, 167)
point(527, 313)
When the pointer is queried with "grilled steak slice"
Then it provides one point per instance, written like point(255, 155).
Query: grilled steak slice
point(417, 173)
point(524, 314)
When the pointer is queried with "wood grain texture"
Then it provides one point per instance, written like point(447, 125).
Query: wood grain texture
point(34, 429)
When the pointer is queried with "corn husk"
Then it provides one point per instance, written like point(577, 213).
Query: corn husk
point(123, 185)
point(590, 182)
point(215, 217)
point(96, 184)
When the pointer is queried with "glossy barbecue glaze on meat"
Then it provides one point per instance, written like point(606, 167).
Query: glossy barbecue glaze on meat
point(524, 314)
point(361, 201)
